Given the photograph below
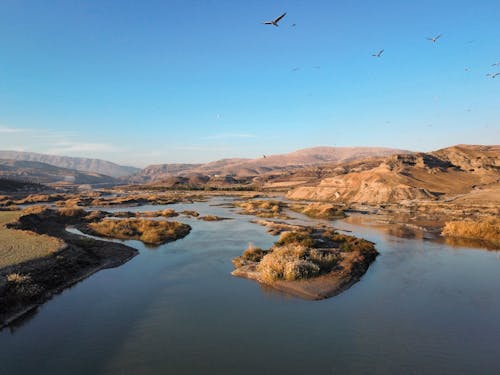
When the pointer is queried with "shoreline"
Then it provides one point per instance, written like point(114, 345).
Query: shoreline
point(48, 276)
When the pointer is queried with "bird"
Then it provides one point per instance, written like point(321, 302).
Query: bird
point(496, 64)
point(275, 21)
point(295, 69)
point(467, 69)
point(293, 25)
point(493, 75)
point(434, 39)
point(378, 54)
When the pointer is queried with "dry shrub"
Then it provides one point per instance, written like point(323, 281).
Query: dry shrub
point(168, 212)
point(250, 255)
point(487, 229)
point(72, 212)
point(18, 278)
point(285, 263)
point(148, 231)
point(298, 238)
point(322, 211)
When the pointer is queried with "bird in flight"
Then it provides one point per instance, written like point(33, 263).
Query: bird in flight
point(493, 75)
point(496, 64)
point(434, 39)
point(293, 25)
point(295, 69)
point(378, 54)
point(275, 21)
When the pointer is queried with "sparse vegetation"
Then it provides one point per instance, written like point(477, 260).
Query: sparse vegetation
point(263, 208)
point(487, 229)
point(150, 232)
point(319, 210)
point(212, 218)
point(304, 254)
point(19, 246)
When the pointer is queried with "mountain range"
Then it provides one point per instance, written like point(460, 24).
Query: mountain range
point(99, 166)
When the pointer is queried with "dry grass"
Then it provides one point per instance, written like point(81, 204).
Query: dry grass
point(251, 254)
point(295, 262)
point(18, 246)
point(303, 254)
point(18, 278)
point(487, 229)
point(263, 208)
point(212, 218)
point(150, 232)
point(319, 210)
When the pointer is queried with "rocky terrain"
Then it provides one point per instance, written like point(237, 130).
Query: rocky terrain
point(455, 173)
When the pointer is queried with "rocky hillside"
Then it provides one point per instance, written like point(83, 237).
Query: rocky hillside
point(81, 164)
point(451, 172)
point(36, 172)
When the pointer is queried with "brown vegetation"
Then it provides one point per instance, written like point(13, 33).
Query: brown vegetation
point(487, 229)
point(263, 208)
point(319, 210)
point(150, 232)
point(20, 246)
point(212, 218)
point(299, 257)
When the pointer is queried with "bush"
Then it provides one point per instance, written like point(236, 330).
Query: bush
point(487, 229)
point(298, 238)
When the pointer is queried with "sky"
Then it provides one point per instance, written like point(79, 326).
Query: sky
point(141, 82)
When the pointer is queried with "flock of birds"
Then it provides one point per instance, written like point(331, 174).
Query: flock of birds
point(275, 23)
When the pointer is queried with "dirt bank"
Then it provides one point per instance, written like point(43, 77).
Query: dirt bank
point(26, 285)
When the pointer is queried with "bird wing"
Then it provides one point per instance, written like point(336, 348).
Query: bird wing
point(381, 52)
point(439, 36)
point(279, 18)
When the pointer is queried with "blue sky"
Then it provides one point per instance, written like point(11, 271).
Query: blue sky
point(189, 81)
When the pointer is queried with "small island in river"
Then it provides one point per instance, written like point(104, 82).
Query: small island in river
point(310, 263)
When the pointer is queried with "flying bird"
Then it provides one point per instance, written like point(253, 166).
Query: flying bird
point(378, 54)
point(496, 64)
point(293, 25)
point(434, 39)
point(493, 75)
point(275, 21)
point(295, 69)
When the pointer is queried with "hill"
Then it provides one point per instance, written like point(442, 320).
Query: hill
point(99, 166)
point(36, 172)
point(244, 168)
point(451, 173)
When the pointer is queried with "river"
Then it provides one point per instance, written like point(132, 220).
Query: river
point(422, 307)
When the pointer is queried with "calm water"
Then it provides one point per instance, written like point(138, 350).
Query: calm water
point(423, 307)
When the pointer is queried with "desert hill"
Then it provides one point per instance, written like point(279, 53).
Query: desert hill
point(99, 166)
point(244, 168)
point(36, 172)
point(444, 174)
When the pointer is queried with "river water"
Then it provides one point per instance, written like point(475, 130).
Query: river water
point(422, 307)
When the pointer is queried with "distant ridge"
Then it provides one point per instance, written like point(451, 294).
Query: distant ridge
point(269, 163)
point(99, 166)
point(37, 172)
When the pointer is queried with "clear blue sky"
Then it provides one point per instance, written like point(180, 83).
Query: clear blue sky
point(139, 82)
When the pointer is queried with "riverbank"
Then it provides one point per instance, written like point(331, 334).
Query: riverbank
point(26, 285)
